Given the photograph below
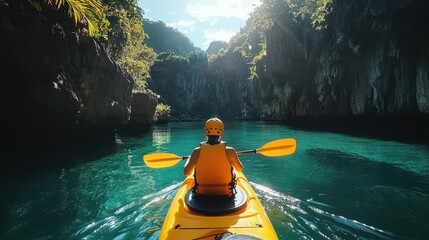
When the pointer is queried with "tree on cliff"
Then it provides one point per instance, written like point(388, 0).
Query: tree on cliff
point(163, 38)
point(179, 81)
point(121, 23)
point(216, 46)
point(87, 12)
point(126, 40)
point(164, 73)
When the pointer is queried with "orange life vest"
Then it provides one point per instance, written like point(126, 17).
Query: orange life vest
point(213, 171)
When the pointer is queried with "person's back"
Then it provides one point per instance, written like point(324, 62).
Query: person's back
point(213, 163)
point(213, 170)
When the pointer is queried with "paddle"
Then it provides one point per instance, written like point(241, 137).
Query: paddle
point(162, 160)
point(275, 148)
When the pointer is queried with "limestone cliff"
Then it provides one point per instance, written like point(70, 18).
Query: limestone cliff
point(197, 87)
point(368, 62)
point(143, 106)
point(371, 60)
point(230, 87)
point(57, 82)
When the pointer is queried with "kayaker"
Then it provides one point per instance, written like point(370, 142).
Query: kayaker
point(213, 162)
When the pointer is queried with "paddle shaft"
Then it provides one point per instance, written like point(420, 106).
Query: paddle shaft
point(250, 151)
point(238, 153)
point(246, 151)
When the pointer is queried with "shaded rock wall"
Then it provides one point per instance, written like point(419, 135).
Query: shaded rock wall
point(371, 60)
point(229, 88)
point(143, 106)
point(199, 89)
point(57, 82)
point(181, 83)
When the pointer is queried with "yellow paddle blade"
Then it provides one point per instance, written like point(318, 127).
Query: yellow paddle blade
point(161, 160)
point(279, 147)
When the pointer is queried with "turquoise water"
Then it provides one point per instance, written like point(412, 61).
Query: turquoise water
point(334, 187)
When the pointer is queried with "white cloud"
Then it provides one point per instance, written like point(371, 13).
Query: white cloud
point(205, 10)
point(211, 35)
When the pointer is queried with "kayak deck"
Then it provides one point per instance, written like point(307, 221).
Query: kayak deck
point(183, 223)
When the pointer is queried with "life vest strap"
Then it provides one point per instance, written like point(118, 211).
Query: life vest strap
point(214, 185)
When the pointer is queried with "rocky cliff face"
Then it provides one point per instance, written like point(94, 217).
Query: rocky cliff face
point(197, 89)
point(371, 60)
point(221, 89)
point(230, 88)
point(143, 106)
point(57, 82)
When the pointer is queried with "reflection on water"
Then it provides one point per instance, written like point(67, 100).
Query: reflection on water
point(161, 136)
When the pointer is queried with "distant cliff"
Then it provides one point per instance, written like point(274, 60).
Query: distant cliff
point(197, 87)
point(163, 38)
point(58, 83)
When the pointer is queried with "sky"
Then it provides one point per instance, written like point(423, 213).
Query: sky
point(203, 21)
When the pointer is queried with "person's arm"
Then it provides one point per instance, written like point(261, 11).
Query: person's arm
point(192, 160)
point(233, 158)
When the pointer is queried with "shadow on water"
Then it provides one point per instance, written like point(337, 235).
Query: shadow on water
point(26, 157)
point(53, 189)
point(38, 158)
point(379, 194)
point(408, 128)
point(352, 166)
point(40, 164)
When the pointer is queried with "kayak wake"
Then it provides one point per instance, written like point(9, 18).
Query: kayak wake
point(140, 219)
point(299, 219)
point(307, 220)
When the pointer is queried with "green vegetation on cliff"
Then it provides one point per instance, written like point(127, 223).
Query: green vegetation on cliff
point(163, 38)
point(216, 46)
point(289, 14)
point(126, 40)
point(171, 78)
point(120, 22)
point(90, 13)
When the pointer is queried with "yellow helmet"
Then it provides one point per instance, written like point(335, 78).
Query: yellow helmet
point(214, 127)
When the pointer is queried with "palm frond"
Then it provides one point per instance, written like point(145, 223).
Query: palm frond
point(88, 12)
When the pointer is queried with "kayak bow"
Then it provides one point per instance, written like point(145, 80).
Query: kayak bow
point(248, 222)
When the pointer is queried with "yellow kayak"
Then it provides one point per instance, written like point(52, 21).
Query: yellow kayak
point(244, 219)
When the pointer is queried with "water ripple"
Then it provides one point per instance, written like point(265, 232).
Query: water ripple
point(140, 219)
point(307, 221)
